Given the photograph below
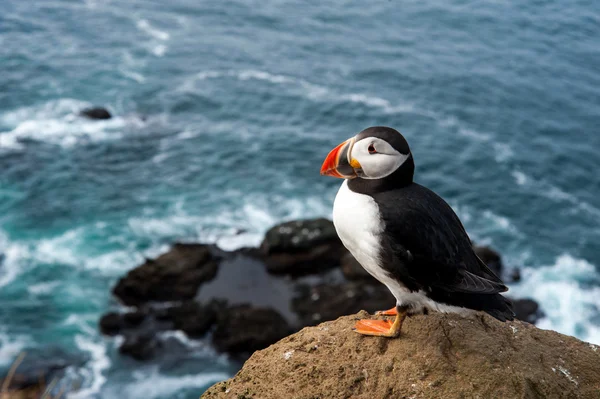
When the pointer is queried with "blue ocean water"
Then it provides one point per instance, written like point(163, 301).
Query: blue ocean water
point(224, 113)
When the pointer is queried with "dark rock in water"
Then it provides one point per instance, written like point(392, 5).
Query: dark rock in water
point(302, 247)
point(515, 275)
point(140, 347)
point(141, 328)
point(243, 329)
point(328, 302)
point(175, 275)
point(193, 318)
point(111, 323)
point(114, 323)
point(134, 319)
point(96, 113)
point(527, 310)
point(491, 258)
point(353, 271)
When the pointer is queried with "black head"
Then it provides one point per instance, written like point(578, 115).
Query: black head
point(376, 159)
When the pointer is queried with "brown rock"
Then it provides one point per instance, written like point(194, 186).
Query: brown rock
point(175, 275)
point(437, 356)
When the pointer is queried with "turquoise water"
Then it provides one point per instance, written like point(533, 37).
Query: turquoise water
point(224, 113)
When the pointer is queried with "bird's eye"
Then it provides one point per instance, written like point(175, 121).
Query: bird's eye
point(371, 149)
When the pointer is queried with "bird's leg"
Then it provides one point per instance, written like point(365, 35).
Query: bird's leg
point(382, 328)
point(390, 312)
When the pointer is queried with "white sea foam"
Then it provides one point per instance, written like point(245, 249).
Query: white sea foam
point(138, 77)
point(155, 385)
point(261, 75)
point(13, 259)
point(570, 305)
point(520, 177)
point(308, 89)
point(549, 190)
point(56, 122)
point(10, 347)
point(42, 288)
point(98, 364)
point(150, 30)
point(502, 152)
point(255, 216)
point(501, 221)
point(159, 50)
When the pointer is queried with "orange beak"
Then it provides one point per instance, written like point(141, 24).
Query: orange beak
point(337, 163)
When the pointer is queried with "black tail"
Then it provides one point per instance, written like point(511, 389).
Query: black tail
point(499, 307)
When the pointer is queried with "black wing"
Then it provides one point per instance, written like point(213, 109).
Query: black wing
point(426, 246)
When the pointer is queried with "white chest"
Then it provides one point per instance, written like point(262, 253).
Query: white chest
point(358, 223)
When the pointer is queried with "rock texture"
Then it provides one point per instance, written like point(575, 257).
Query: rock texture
point(438, 356)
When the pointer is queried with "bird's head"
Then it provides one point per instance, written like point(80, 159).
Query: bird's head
point(375, 153)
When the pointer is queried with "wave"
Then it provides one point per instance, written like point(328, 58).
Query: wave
point(156, 385)
point(309, 90)
point(10, 347)
point(56, 122)
point(145, 26)
point(502, 151)
point(43, 288)
point(13, 259)
point(93, 377)
point(567, 296)
point(548, 190)
point(232, 227)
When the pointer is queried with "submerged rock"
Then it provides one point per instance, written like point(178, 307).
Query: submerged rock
point(40, 366)
point(114, 323)
point(437, 356)
point(193, 318)
point(243, 329)
point(96, 113)
point(527, 310)
point(302, 247)
point(491, 258)
point(140, 346)
point(327, 302)
point(175, 275)
point(353, 271)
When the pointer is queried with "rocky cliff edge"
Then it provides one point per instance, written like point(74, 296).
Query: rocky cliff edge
point(437, 356)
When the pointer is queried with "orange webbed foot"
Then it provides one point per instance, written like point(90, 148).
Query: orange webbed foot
point(390, 312)
point(372, 327)
point(381, 328)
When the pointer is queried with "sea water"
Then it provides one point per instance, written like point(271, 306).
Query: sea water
point(224, 112)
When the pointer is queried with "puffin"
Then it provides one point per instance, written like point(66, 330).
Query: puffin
point(405, 235)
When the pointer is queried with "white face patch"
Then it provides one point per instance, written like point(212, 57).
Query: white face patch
point(377, 157)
